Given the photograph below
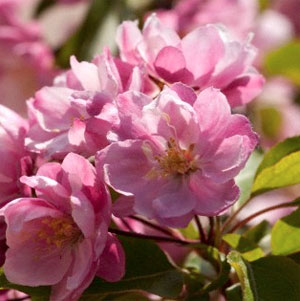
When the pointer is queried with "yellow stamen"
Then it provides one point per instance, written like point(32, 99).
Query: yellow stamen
point(59, 232)
point(175, 161)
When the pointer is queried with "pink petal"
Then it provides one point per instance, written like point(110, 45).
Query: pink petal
point(83, 214)
point(170, 65)
point(125, 166)
point(185, 93)
point(213, 113)
point(25, 266)
point(174, 200)
point(81, 167)
point(212, 198)
point(236, 61)
point(112, 261)
point(76, 133)
point(52, 108)
point(123, 206)
point(49, 189)
point(202, 59)
point(128, 37)
point(27, 262)
point(130, 106)
point(86, 73)
point(79, 276)
point(244, 89)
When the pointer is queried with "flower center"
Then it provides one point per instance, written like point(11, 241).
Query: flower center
point(176, 161)
point(59, 231)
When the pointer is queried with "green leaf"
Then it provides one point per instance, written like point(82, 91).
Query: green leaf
point(216, 260)
point(221, 279)
point(268, 278)
point(279, 151)
point(190, 231)
point(247, 248)
point(285, 61)
point(147, 268)
point(271, 121)
point(234, 293)
point(245, 178)
point(264, 4)
point(196, 264)
point(243, 271)
point(285, 237)
point(276, 278)
point(256, 233)
point(285, 172)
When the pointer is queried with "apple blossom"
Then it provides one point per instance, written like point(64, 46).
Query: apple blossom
point(270, 27)
point(15, 160)
point(205, 57)
point(62, 230)
point(28, 63)
point(290, 8)
point(237, 15)
point(77, 112)
point(179, 157)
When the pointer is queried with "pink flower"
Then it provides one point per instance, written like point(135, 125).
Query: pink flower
point(6, 295)
point(28, 63)
point(237, 15)
point(290, 8)
point(182, 154)
point(271, 28)
point(62, 230)
point(76, 114)
point(15, 161)
point(205, 57)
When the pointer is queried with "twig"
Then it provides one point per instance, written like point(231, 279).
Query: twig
point(151, 225)
point(151, 237)
point(200, 229)
point(249, 218)
point(233, 216)
point(126, 224)
point(211, 230)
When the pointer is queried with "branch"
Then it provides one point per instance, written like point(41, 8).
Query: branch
point(200, 229)
point(249, 218)
point(233, 216)
point(151, 225)
point(151, 237)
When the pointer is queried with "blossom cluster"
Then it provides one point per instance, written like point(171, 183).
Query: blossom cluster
point(155, 125)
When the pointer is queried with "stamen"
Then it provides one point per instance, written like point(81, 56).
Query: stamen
point(175, 161)
point(58, 232)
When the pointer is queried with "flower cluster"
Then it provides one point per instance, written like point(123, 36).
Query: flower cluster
point(154, 125)
point(28, 63)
